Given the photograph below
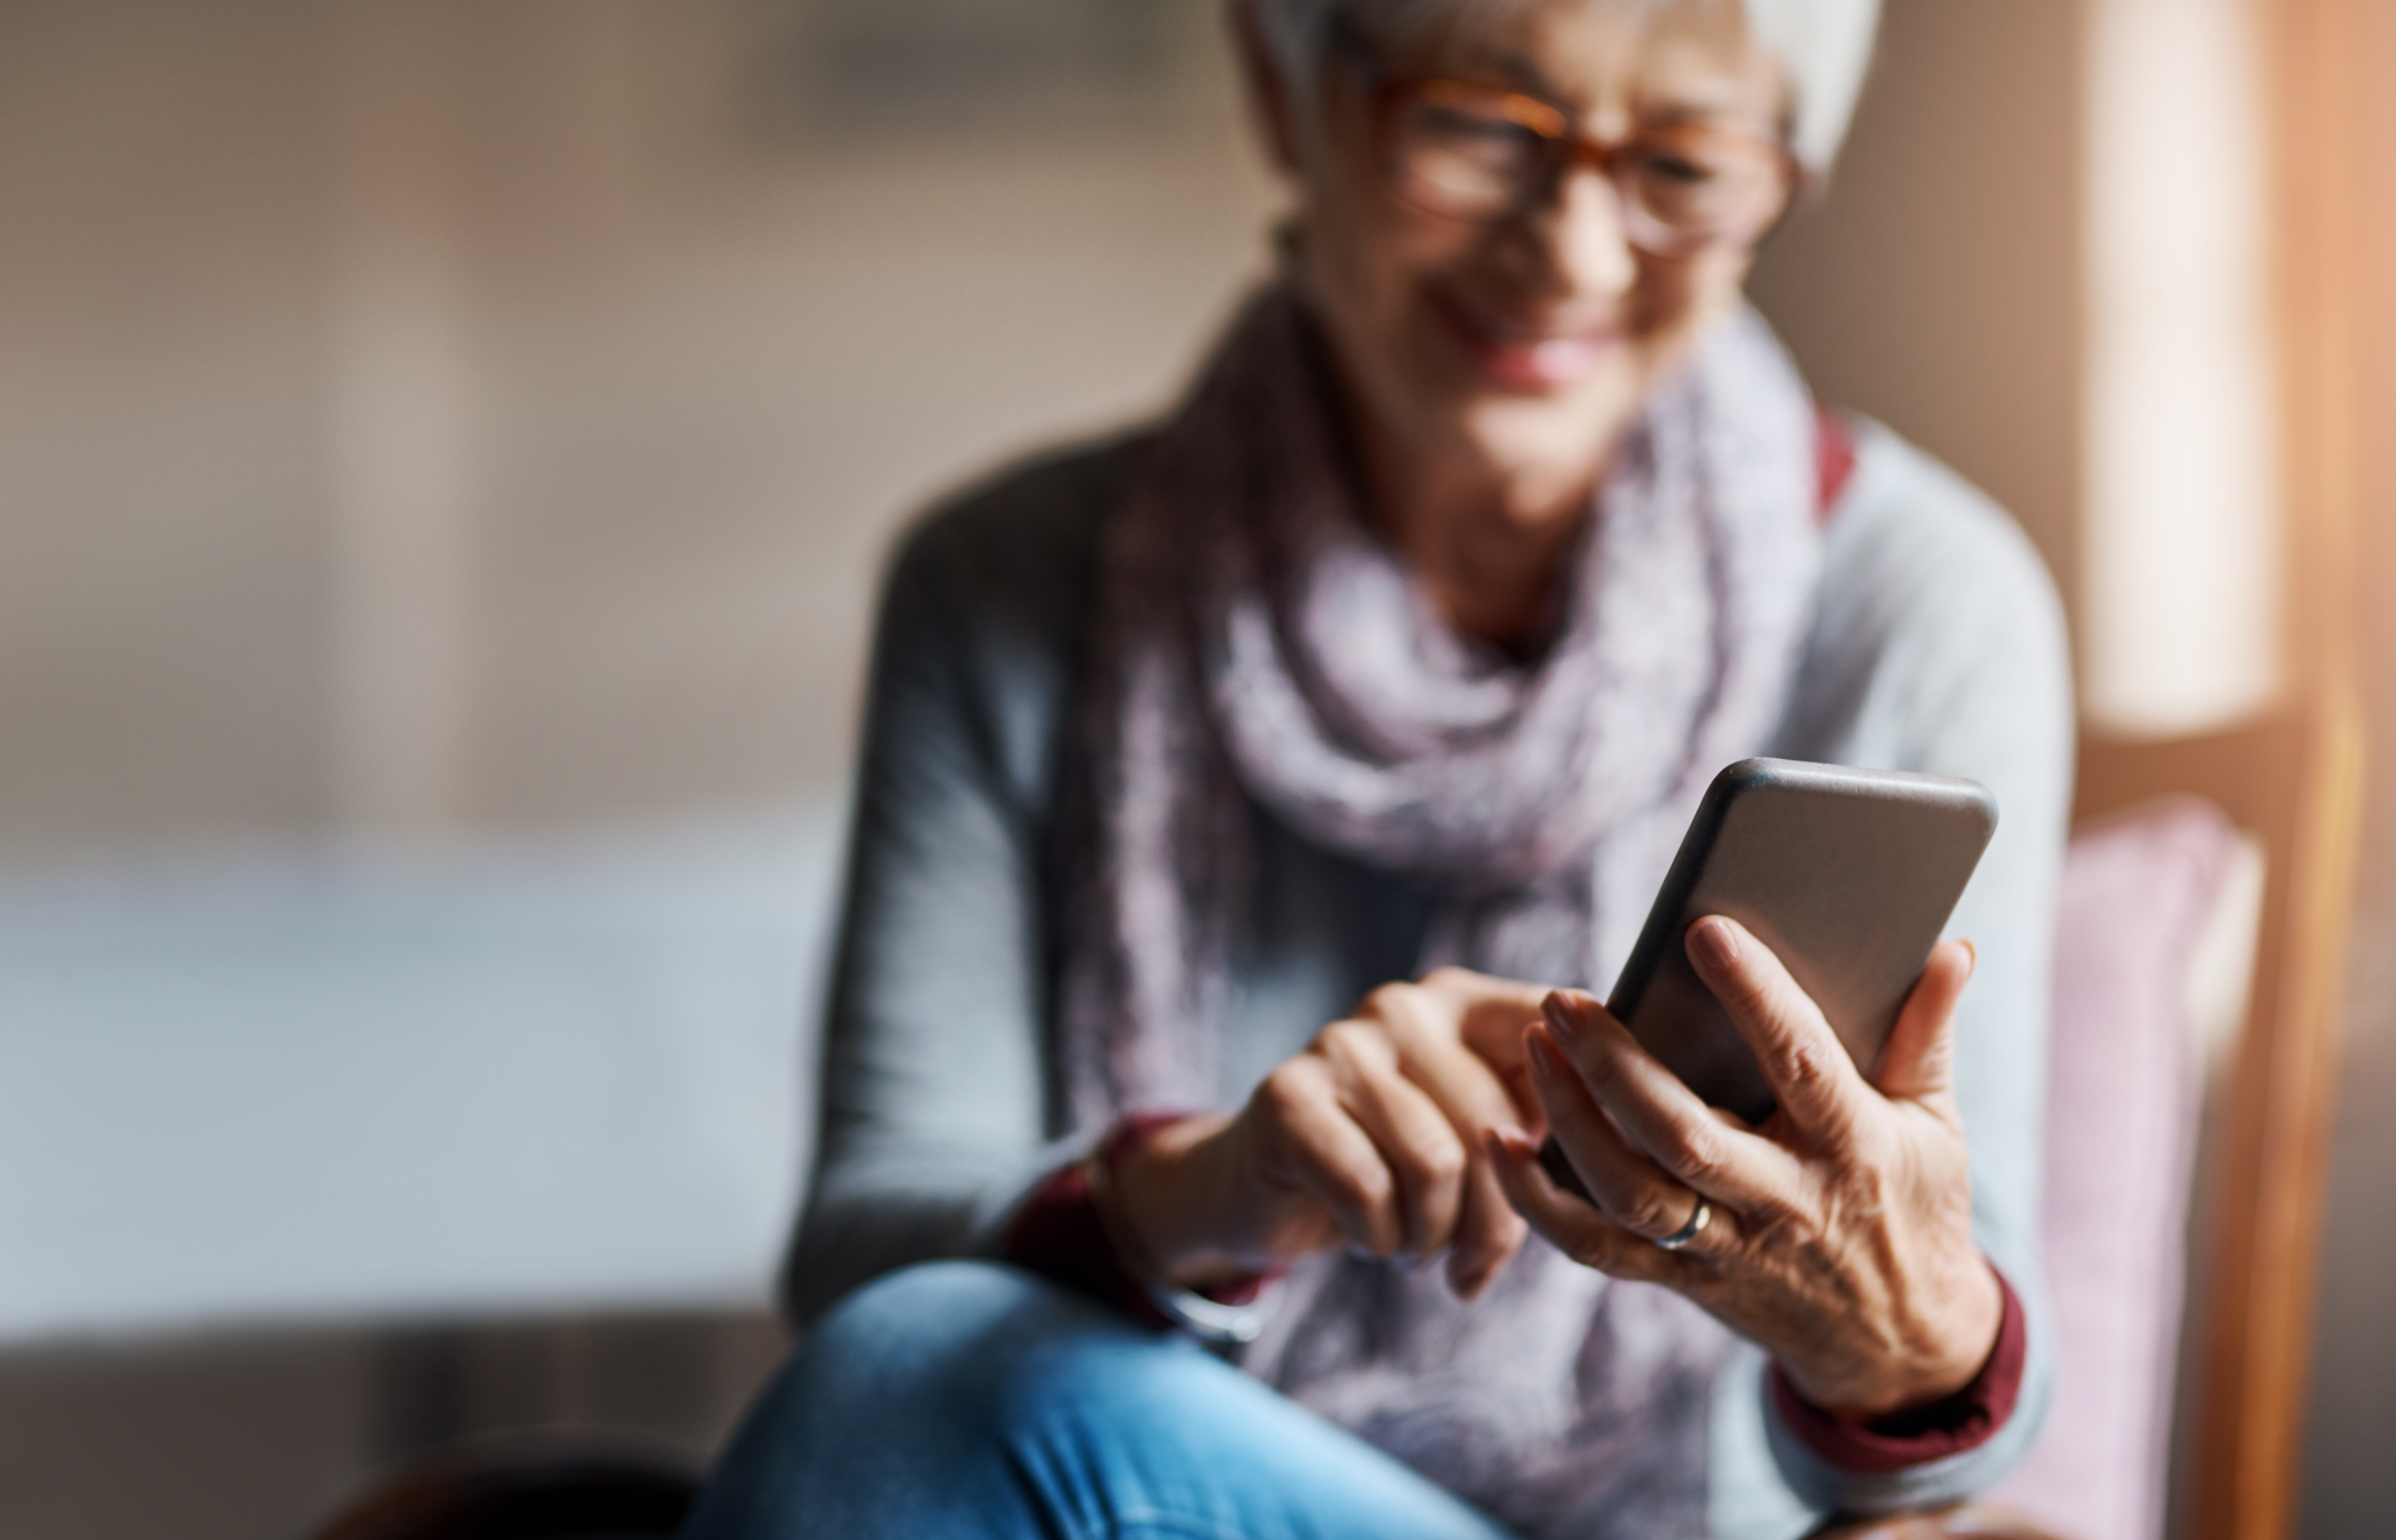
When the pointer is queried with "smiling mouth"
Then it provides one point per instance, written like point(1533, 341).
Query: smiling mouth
point(1520, 354)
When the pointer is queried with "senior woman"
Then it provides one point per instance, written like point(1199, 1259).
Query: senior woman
point(1496, 524)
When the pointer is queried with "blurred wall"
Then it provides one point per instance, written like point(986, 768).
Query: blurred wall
point(455, 413)
point(162, 289)
point(1936, 284)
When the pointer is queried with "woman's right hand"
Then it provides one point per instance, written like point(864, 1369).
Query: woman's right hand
point(1371, 1137)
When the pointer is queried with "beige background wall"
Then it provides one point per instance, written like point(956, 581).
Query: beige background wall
point(1938, 286)
point(161, 293)
point(466, 413)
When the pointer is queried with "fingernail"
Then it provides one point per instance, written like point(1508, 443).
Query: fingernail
point(1563, 1014)
point(1546, 1062)
point(1972, 956)
point(1714, 943)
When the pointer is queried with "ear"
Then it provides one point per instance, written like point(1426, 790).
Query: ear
point(1268, 91)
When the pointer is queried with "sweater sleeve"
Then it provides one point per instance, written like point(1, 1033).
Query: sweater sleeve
point(935, 1123)
point(1941, 648)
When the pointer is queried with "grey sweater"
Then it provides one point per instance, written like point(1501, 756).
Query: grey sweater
point(1938, 647)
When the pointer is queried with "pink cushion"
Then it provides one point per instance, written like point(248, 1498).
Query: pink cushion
point(2123, 1102)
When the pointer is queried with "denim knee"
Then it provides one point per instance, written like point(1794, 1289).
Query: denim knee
point(971, 1399)
point(952, 1339)
point(937, 1318)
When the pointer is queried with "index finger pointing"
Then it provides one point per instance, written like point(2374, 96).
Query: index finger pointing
point(1467, 1085)
point(1807, 1066)
point(1489, 1016)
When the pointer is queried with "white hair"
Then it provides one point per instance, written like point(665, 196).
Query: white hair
point(1823, 49)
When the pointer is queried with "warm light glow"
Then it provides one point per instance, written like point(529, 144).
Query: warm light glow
point(2181, 544)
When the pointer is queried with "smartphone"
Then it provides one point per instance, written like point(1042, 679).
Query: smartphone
point(1848, 875)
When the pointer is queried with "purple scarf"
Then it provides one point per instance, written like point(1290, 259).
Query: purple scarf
point(1257, 641)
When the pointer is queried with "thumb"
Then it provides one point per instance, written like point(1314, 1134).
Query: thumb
point(1918, 1061)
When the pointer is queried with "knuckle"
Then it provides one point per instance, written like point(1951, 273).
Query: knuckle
point(1406, 1012)
point(1346, 1041)
point(1417, 1170)
point(1689, 1150)
point(1800, 1062)
point(1289, 1088)
point(1648, 1211)
point(1441, 1162)
point(1365, 1189)
point(1594, 1248)
point(1605, 1070)
point(1362, 1186)
point(1763, 1227)
point(1450, 979)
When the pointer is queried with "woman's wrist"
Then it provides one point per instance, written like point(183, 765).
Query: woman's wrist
point(1156, 1196)
point(1948, 1360)
point(1963, 1420)
point(1225, 1308)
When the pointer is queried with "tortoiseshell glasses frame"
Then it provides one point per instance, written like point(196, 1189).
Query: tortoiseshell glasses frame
point(1485, 154)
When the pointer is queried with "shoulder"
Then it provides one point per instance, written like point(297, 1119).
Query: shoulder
point(984, 622)
point(1021, 544)
point(1911, 542)
point(998, 578)
point(1934, 605)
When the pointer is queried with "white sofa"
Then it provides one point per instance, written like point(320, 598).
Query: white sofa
point(543, 1076)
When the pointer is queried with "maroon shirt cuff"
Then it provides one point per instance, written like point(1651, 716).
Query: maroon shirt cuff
point(1834, 462)
point(1902, 1439)
point(1058, 1234)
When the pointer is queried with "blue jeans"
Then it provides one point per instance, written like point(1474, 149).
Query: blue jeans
point(967, 1399)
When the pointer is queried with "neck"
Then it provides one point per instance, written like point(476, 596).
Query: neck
point(1490, 546)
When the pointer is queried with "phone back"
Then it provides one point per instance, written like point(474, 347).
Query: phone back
point(1848, 875)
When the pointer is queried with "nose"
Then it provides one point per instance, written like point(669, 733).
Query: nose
point(1581, 240)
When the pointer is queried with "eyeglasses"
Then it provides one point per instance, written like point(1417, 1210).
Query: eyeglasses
point(1483, 153)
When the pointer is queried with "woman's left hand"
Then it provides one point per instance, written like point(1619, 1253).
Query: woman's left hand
point(1840, 1236)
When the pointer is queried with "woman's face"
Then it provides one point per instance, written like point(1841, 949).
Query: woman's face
point(1521, 345)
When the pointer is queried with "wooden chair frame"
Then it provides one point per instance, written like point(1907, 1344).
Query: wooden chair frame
point(2294, 780)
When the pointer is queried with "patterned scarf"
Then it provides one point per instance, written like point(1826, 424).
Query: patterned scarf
point(1258, 645)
